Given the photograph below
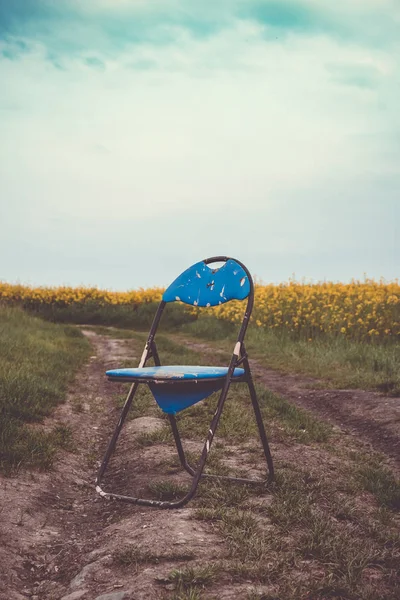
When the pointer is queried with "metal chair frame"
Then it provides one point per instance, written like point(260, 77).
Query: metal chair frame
point(239, 358)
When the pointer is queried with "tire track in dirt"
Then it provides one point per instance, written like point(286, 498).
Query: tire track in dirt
point(371, 417)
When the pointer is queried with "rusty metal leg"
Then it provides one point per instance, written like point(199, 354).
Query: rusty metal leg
point(117, 431)
point(261, 429)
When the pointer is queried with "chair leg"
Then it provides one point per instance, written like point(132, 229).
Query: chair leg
point(117, 431)
point(263, 437)
point(109, 451)
point(179, 447)
point(261, 429)
point(161, 503)
point(195, 473)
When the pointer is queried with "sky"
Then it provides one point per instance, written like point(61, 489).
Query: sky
point(140, 136)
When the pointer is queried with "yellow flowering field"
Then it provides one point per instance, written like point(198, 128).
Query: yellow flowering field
point(31, 297)
point(359, 310)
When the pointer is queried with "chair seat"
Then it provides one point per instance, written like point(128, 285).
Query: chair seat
point(172, 373)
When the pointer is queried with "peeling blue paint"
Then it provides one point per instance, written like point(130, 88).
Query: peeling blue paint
point(174, 372)
point(201, 285)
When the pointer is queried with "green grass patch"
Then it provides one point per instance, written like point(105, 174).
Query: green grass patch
point(297, 423)
point(294, 494)
point(210, 328)
point(216, 496)
point(235, 424)
point(37, 363)
point(138, 317)
point(343, 362)
point(174, 352)
point(238, 422)
point(158, 436)
point(301, 526)
point(193, 577)
point(380, 482)
point(142, 404)
point(167, 490)
point(134, 555)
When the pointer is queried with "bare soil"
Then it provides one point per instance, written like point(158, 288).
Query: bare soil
point(58, 539)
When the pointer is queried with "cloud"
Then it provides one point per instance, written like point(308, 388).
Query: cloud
point(178, 130)
point(72, 27)
point(94, 62)
point(357, 75)
point(365, 23)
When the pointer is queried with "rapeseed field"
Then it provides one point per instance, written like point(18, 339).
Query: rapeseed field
point(358, 310)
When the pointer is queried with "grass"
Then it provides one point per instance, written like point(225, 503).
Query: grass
point(142, 404)
point(210, 328)
point(134, 555)
point(174, 352)
point(344, 363)
point(380, 482)
point(37, 362)
point(296, 423)
point(267, 544)
point(238, 422)
point(158, 436)
point(216, 497)
point(193, 577)
point(167, 490)
point(92, 313)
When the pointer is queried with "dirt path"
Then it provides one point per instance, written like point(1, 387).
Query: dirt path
point(58, 539)
point(369, 416)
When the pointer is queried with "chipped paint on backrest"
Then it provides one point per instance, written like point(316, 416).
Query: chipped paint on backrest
point(202, 285)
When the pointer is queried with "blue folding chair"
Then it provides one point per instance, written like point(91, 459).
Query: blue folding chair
point(178, 387)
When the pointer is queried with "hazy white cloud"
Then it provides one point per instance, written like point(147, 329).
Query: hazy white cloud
point(281, 150)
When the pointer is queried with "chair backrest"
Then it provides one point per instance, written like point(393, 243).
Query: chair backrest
point(201, 285)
